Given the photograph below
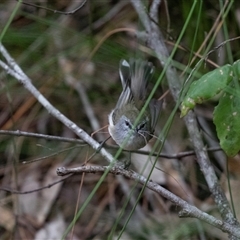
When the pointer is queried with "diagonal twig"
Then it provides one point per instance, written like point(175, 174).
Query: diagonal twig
point(187, 209)
point(13, 69)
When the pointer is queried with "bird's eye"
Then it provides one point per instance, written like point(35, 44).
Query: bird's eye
point(141, 126)
point(128, 124)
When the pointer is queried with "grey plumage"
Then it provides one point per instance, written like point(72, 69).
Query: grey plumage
point(135, 76)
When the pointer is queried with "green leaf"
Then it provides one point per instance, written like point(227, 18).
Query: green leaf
point(226, 118)
point(236, 69)
point(206, 87)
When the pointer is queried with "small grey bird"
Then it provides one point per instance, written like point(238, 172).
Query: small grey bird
point(124, 128)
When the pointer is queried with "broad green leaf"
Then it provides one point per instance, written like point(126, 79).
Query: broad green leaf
point(206, 87)
point(226, 117)
point(236, 69)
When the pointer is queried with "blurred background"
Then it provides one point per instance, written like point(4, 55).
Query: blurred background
point(73, 60)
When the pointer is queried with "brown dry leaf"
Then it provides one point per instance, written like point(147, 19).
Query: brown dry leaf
point(53, 229)
point(38, 204)
point(234, 165)
point(29, 202)
point(7, 219)
point(234, 168)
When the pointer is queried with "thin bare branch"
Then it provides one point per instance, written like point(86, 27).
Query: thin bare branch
point(187, 209)
point(154, 10)
point(180, 155)
point(34, 190)
point(18, 133)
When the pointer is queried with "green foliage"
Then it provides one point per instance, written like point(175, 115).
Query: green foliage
point(206, 87)
point(226, 119)
point(226, 114)
point(236, 69)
